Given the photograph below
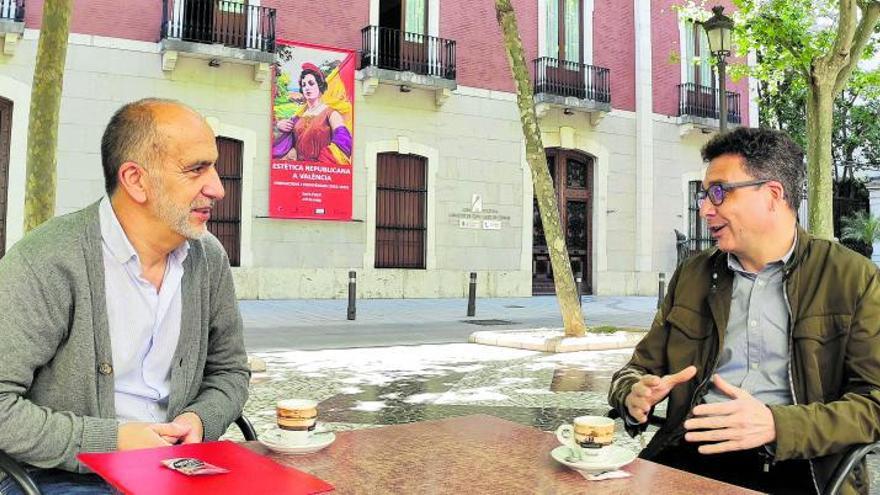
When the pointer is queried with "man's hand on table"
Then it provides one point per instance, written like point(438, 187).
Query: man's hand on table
point(145, 435)
point(194, 423)
point(739, 424)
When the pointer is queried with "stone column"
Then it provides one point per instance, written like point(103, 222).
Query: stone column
point(644, 190)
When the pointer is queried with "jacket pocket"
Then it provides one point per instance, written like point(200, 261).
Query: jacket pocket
point(819, 349)
point(689, 322)
point(688, 343)
point(822, 329)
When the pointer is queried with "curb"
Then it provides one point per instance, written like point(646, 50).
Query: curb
point(554, 340)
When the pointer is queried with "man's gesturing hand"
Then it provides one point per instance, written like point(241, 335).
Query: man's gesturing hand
point(651, 389)
point(739, 424)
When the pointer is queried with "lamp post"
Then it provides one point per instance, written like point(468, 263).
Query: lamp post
point(718, 29)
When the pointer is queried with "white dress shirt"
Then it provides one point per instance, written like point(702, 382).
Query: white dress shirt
point(144, 323)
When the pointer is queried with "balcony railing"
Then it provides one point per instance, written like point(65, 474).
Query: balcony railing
point(397, 50)
point(562, 78)
point(702, 101)
point(229, 23)
point(12, 10)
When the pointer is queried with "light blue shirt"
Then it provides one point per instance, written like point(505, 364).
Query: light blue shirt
point(144, 324)
point(756, 354)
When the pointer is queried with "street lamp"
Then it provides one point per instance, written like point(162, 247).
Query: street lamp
point(718, 29)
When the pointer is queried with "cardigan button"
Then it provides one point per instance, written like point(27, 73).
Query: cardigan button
point(105, 369)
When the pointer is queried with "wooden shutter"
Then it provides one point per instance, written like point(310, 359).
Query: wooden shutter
point(401, 211)
point(225, 221)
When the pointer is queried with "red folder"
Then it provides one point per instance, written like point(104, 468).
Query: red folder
point(138, 472)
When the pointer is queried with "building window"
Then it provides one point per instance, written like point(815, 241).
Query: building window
point(234, 6)
point(416, 16)
point(565, 30)
point(698, 67)
point(225, 221)
point(401, 210)
point(698, 230)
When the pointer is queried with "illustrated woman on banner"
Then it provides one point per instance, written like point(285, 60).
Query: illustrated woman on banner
point(318, 132)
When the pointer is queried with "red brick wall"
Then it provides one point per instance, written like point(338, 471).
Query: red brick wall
point(481, 58)
point(614, 47)
point(334, 23)
point(666, 54)
point(666, 65)
point(132, 19)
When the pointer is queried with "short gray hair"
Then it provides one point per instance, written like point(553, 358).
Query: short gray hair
point(131, 136)
point(767, 154)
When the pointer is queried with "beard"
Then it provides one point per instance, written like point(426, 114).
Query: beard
point(174, 216)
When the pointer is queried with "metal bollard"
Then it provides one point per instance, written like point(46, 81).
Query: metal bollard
point(472, 295)
point(352, 293)
point(577, 282)
point(661, 290)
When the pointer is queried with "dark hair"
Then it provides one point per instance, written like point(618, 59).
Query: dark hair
point(319, 78)
point(767, 154)
point(131, 136)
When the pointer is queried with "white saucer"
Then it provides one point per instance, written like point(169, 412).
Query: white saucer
point(608, 458)
point(317, 441)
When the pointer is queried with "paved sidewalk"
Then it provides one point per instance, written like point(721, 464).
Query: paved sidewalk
point(322, 324)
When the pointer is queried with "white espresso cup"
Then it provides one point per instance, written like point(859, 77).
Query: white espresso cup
point(296, 420)
point(587, 435)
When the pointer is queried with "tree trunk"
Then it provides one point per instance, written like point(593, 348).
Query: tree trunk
point(820, 123)
point(39, 203)
point(566, 292)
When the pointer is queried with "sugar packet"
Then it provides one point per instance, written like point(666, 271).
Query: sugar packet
point(192, 467)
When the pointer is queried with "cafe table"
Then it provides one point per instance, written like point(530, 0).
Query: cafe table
point(473, 455)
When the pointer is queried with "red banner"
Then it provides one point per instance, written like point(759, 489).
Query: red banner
point(312, 132)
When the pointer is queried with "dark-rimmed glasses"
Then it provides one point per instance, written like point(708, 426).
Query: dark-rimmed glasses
point(717, 191)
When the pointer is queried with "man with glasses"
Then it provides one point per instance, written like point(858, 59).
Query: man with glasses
point(768, 345)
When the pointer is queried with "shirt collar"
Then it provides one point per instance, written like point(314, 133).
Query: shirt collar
point(113, 234)
point(734, 264)
point(117, 241)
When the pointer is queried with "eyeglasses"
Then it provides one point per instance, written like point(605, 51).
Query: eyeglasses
point(716, 192)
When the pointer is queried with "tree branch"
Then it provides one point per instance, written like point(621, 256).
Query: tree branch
point(843, 37)
point(863, 32)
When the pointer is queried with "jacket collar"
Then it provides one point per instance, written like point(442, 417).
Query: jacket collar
point(719, 258)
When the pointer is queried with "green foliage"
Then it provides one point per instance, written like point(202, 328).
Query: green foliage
point(861, 227)
point(856, 137)
point(809, 48)
point(856, 132)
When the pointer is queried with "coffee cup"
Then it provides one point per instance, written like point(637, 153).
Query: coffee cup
point(296, 420)
point(586, 435)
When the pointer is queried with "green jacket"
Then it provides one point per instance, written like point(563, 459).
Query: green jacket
point(833, 296)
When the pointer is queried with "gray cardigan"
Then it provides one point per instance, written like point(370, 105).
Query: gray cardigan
point(56, 364)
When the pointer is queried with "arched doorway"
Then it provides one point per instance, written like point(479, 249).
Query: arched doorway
point(572, 174)
point(5, 139)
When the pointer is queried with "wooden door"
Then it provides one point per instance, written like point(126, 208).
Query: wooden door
point(572, 174)
point(198, 21)
point(568, 74)
point(230, 23)
point(414, 45)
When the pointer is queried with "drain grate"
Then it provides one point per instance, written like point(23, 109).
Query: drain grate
point(487, 323)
